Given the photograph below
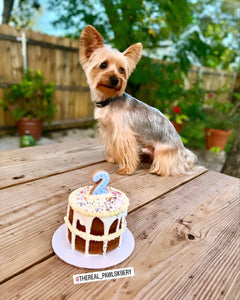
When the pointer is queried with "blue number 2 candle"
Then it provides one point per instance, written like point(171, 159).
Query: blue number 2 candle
point(101, 180)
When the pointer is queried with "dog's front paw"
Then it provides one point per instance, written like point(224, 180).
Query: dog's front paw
point(110, 160)
point(125, 171)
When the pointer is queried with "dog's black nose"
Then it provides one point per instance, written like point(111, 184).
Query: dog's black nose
point(114, 80)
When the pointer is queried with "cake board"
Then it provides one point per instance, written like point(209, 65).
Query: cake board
point(63, 250)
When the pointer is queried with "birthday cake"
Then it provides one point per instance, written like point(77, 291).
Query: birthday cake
point(96, 217)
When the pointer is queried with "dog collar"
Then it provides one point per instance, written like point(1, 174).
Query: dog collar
point(104, 103)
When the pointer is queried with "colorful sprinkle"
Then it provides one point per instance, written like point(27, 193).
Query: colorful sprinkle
point(112, 201)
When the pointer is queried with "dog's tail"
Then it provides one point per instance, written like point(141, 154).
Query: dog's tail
point(168, 161)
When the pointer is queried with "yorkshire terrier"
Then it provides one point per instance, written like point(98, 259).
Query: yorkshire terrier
point(130, 127)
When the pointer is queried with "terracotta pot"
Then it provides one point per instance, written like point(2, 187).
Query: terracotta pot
point(216, 138)
point(178, 126)
point(34, 126)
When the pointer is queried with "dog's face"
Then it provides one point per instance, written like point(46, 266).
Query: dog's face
point(107, 69)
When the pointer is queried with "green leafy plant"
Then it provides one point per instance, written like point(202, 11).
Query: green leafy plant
point(31, 98)
point(166, 90)
point(222, 115)
point(215, 149)
point(184, 140)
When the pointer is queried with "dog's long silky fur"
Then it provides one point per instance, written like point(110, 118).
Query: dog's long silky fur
point(129, 126)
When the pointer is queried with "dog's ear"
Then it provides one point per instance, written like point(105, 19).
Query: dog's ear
point(90, 39)
point(133, 55)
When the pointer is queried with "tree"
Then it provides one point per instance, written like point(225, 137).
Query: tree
point(232, 162)
point(123, 22)
point(203, 31)
point(8, 5)
point(21, 14)
point(219, 23)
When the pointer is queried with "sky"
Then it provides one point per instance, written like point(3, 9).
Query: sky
point(43, 21)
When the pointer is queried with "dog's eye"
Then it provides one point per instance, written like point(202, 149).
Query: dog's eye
point(103, 65)
point(120, 70)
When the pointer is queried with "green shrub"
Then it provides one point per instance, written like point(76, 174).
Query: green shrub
point(31, 98)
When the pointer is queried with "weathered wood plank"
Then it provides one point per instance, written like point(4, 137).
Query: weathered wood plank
point(56, 189)
point(167, 263)
point(36, 209)
point(18, 156)
point(18, 166)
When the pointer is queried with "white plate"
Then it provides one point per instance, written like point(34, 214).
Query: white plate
point(63, 250)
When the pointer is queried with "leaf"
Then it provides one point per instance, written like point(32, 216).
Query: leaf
point(215, 149)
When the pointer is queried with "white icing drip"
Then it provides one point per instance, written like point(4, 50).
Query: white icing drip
point(107, 224)
point(74, 224)
point(87, 222)
point(97, 238)
point(118, 224)
point(108, 208)
point(68, 210)
point(124, 222)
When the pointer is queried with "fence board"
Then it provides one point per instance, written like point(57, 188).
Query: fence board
point(212, 79)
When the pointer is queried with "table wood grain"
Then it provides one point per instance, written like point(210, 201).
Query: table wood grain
point(186, 228)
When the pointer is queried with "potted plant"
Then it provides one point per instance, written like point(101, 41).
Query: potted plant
point(220, 118)
point(30, 102)
point(177, 118)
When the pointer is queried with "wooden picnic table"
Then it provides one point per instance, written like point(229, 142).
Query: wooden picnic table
point(186, 228)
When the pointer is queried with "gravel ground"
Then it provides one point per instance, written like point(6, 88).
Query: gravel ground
point(211, 160)
point(63, 136)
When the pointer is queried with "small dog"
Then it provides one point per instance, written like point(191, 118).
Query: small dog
point(129, 126)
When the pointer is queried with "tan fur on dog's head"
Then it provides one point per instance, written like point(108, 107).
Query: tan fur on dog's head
point(107, 69)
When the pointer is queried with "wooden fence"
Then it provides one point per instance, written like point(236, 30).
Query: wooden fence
point(57, 58)
point(212, 80)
